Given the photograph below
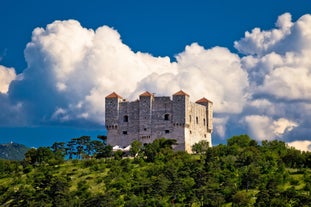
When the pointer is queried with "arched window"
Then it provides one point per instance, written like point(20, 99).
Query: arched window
point(196, 120)
point(125, 118)
point(166, 117)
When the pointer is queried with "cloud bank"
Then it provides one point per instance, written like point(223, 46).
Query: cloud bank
point(263, 90)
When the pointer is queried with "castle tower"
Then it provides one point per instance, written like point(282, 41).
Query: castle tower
point(208, 119)
point(145, 115)
point(180, 113)
point(209, 112)
point(180, 105)
point(112, 103)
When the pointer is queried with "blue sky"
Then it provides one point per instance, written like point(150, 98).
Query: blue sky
point(59, 59)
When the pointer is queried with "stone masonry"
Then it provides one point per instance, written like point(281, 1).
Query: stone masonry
point(151, 117)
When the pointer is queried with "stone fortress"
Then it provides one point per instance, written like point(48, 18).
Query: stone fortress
point(151, 117)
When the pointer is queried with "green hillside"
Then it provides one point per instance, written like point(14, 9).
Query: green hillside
point(13, 151)
point(240, 173)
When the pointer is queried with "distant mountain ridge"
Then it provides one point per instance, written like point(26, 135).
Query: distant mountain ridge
point(13, 151)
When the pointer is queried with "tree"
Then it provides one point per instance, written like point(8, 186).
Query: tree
point(241, 141)
point(263, 198)
point(44, 154)
point(277, 147)
point(71, 148)
point(136, 146)
point(104, 152)
point(96, 147)
point(86, 144)
point(82, 146)
point(200, 147)
point(31, 156)
point(158, 146)
point(166, 143)
point(248, 156)
point(103, 138)
point(58, 147)
point(40, 155)
point(96, 200)
point(241, 199)
point(250, 176)
point(59, 150)
point(118, 154)
point(294, 158)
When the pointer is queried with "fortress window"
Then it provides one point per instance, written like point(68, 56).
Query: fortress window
point(204, 122)
point(166, 117)
point(190, 118)
point(167, 131)
point(124, 132)
point(196, 120)
point(125, 118)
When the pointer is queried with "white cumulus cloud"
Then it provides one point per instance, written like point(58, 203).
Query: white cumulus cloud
point(302, 145)
point(71, 69)
point(279, 66)
point(260, 42)
point(7, 75)
point(263, 91)
point(215, 73)
point(265, 128)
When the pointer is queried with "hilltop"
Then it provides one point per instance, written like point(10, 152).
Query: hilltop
point(13, 151)
point(240, 173)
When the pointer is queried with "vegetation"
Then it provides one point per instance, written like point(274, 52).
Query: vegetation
point(240, 173)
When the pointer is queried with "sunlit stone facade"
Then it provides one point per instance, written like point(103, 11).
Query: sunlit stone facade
point(151, 117)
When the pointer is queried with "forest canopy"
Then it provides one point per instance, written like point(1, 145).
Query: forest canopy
point(82, 172)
